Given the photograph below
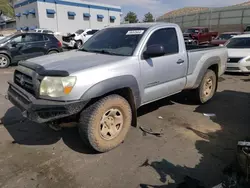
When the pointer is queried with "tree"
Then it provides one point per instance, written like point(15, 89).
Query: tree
point(131, 17)
point(148, 17)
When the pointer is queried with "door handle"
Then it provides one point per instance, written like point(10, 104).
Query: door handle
point(180, 61)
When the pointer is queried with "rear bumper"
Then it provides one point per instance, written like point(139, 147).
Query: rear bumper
point(39, 110)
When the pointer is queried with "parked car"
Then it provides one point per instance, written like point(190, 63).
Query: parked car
point(118, 70)
point(238, 54)
point(223, 38)
point(23, 46)
point(77, 39)
point(199, 35)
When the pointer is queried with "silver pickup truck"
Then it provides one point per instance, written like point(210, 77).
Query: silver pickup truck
point(118, 70)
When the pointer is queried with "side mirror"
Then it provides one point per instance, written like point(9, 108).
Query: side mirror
point(154, 51)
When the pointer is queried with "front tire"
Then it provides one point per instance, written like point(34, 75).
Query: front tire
point(105, 124)
point(78, 44)
point(207, 87)
point(4, 61)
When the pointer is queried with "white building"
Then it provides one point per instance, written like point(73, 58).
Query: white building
point(65, 15)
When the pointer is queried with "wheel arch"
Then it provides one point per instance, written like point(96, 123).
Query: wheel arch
point(125, 86)
point(53, 49)
point(212, 64)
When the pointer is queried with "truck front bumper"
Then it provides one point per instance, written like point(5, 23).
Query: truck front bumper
point(40, 110)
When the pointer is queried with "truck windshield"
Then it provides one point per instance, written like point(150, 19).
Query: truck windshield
point(239, 43)
point(120, 41)
point(192, 31)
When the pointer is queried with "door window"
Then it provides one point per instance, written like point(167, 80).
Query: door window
point(33, 38)
point(18, 39)
point(167, 38)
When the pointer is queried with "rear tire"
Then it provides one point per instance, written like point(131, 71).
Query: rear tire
point(53, 52)
point(4, 61)
point(105, 124)
point(207, 87)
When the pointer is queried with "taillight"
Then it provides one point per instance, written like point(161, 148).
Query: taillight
point(59, 44)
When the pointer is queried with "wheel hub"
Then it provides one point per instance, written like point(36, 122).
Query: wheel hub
point(208, 87)
point(3, 61)
point(111, 124)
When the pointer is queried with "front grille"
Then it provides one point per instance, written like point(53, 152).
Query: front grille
point(25, 82)
point(233, 68)
point(234, 59)
point(66, 39)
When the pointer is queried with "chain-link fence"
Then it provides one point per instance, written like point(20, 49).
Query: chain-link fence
point(217, 19)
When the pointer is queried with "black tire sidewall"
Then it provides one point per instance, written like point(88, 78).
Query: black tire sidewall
point(8, 61)
point(209, 73)
point(52, 52)
point(77, 44)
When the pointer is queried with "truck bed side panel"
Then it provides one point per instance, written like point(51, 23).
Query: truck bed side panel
point(200, 60)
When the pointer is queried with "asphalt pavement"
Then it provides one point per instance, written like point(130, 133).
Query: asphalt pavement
point(196, 142)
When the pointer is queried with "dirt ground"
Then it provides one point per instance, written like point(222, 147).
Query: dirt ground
point(194, 145)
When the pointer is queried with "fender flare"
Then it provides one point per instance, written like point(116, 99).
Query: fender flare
point(112, 84)
point(209, 62)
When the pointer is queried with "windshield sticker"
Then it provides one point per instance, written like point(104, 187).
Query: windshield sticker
point(135, 32)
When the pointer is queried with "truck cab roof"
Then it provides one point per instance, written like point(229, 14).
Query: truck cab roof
point(145, 25)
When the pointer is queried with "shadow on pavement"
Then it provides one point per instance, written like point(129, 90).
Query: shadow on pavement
point(25, 132)
point(153, 106)
point(218, 150)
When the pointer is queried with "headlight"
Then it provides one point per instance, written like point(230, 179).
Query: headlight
point(247, 59)
point(57, 86)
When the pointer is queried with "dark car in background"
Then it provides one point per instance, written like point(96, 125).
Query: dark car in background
point(223, 38)
point(22, 46)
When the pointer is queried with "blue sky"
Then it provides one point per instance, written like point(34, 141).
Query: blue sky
point(159, 7)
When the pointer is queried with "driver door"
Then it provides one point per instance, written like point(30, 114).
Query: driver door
point(164, 75)
point(15, 45)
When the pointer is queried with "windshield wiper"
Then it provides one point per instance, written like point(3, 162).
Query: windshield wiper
point(104, 52)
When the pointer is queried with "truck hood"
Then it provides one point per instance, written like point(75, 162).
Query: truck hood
point(71, 61)
point(241, 52)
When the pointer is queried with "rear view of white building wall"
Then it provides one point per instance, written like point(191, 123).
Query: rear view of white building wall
point(65, 15)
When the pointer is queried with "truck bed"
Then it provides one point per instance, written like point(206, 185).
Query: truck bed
point(198, 55)
point(199, 47)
